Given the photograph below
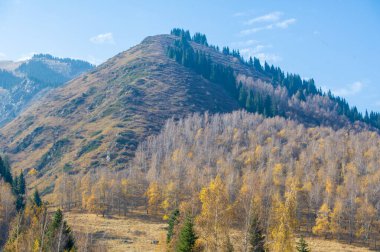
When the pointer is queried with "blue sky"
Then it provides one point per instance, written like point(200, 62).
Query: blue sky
point(335, 42)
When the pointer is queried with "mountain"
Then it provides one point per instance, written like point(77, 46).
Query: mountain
point(98, 119)
point(21, 82)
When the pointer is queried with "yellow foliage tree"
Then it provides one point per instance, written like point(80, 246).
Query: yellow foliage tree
point(169, 199)
point(283, 221)
point(329, 187)
point(36, 246)
point(322, 224)
point(277, 174)
point(85, 189)
point(214, 219)
point(153, 195)
point(244, 207)
point(365, 215)
point(336, 217)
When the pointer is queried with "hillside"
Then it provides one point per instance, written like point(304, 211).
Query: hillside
point(176, 129)
point(136, 232)
point(98, 119)
point(22, 82)
point(227, 170)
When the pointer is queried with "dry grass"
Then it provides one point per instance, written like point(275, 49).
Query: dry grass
point(321, 245)
point(134, 92)
point(136, 232)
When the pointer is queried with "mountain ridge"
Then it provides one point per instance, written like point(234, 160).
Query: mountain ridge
point(98, 119)
point(23, 82)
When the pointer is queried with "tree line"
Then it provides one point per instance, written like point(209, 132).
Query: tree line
point(250, 99)
point(225, 172)
point(25, 223)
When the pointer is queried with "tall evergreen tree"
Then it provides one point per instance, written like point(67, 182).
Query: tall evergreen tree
point(60, 236)
point(242, 95)
point(302, 245)
point(5, 172)
point(37, 199)
point(21, 184)
point(187, 237)
point(229, 245)
point(256, 236)
point(257, 65)
point(249, 105)
point(268, 106)
point(19, 189)
point(173, 220)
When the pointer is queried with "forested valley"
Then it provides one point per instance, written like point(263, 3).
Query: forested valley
point(290, 162)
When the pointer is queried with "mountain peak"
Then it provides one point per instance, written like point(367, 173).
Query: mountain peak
point(98, 119)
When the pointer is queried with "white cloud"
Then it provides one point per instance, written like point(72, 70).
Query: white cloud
point(270, 17)
point(268, 22)
point(325, 88)
point(256, 29)
point(282, 25)
point(258, 52)
point(2, 56)
point(351, 89)
point(285, 23)
point(240, 14)
point(250, 51)
point(268, 57)
point(104, 38)
point(94, 60)
point(244, 43)
point(26, 56)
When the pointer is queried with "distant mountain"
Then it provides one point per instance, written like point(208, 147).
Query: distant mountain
point(99, 119)
point(21, 82)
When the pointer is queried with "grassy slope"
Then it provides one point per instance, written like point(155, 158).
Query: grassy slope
point(136, 232)
point(115, 106)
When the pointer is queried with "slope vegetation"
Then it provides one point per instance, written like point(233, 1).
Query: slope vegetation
point(98, 119)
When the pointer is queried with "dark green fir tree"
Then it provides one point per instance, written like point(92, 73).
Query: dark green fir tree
point(256, 236)
point(302, 245)
point(173, 220)
point(187, 236)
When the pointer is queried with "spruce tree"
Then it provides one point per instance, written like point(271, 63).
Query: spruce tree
point(268, 106)
point(257, 65)
point(249, 104)
point(229, 246)
point(60, 236)
point(256, 236)
point(173, 220)
point(21, 185)
point(187, 237)
point(20, 204)
point(19, 189)
point(302, 245)
point(5, 171)
point(37, 199)
point(242, 96)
